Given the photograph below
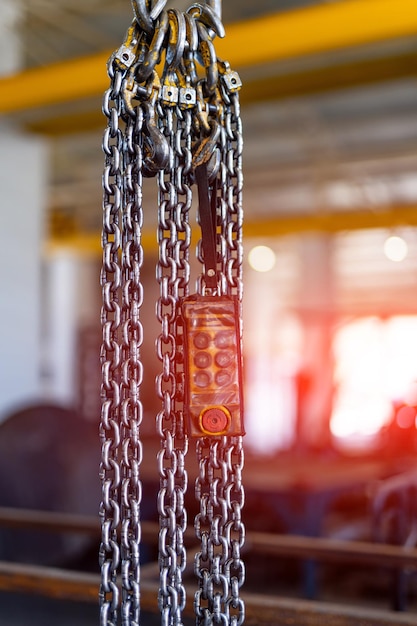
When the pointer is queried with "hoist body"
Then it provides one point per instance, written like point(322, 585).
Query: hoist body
point(213, 366)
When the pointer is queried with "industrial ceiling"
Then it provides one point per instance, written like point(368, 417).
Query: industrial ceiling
point(329, 106)
point(54, 30)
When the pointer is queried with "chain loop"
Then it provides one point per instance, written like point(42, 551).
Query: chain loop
point(172, 273)
point(168, 127)
point(110, 356)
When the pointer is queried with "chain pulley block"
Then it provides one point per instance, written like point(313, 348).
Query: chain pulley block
point(212, 361)
point(173, 113)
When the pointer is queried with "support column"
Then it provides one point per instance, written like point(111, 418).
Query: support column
point(23, 183)
point(10, 46)
point(317, 315)
point(72, 303)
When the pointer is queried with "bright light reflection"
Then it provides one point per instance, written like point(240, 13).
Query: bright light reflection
point(261, 258)
point(270, 406)
point(395, 248)
point(375, 366)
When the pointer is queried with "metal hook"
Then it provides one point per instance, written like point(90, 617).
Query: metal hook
point(208, 58)
point(156, 147)
point(191, 33)
point(127, 54)
point(207, 16)
point(206, 148)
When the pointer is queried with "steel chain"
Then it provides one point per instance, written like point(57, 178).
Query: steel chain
point(120, 355)
point(173, 272)
point(218, 566)
point(110, 354)
point(232, 188)
point(131, 369)
point(169, 124)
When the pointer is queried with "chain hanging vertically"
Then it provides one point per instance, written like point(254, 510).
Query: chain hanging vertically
point(219, 489)
point(173, 273)
point(179, 121)
point(110, 353)
point(122, 368)
point(131, 368)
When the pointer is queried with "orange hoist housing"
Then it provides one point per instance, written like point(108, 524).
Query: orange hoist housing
point(213, 366)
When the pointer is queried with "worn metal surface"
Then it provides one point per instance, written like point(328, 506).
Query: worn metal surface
point(167, 122)
point(173, 275)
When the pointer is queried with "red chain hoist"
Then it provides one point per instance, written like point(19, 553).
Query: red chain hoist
point(173, 113)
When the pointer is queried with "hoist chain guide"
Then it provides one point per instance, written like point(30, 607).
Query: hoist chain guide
point(173, 113)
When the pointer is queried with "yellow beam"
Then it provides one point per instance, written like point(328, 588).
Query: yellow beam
point(339, 75)
point(321, 28)
point(332, 222)
point(67, 81)
point(266, 228)
point(314, 80)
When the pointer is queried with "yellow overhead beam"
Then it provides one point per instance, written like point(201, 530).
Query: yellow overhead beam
point(57, 83)
point(265, 228)
point(310, 81)
point(321, 28)
point(332, 222)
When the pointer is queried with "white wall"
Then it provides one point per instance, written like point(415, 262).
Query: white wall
point(72, 300)
point(23, 183)
point(10, 45)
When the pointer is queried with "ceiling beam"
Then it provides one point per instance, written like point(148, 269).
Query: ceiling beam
point(288, 85)
point(321, 28)
point(332, 76)
point(264, 228)
point(332, 222)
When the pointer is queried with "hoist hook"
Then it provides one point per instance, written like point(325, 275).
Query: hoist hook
point(207, 16)
point(156, 148)
point(205, 151)
point(127, 54)
point(208, 58)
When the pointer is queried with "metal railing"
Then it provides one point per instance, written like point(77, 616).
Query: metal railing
point(263, 610)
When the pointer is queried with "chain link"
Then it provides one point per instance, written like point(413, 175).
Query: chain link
point(110, 354)
point(218, 566)
point(173, 273)
point(120, 355)
point(176, 122)
point(131, 368)
point(219, 527)
point(232, 185)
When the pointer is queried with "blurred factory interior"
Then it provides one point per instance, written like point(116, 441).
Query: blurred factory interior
point(329, 107)
point(330, 131)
